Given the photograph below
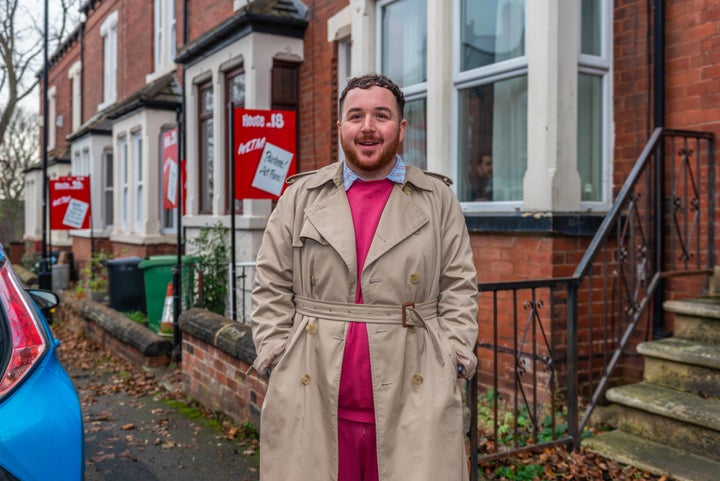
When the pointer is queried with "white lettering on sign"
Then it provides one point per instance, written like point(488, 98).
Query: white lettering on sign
point(61, 200)
point(253, 120)
point(74, 185)
point(250, 145)
point(170, 138)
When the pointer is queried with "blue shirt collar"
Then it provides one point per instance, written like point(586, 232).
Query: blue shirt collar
point(397, 174)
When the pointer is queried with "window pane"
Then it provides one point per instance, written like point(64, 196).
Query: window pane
point(491, 31)
point(590, 130)
point(404, 40)
point(492, 138)
point(590, 34)
point(108, 189)
point(206, 165)
point(206, 102)
point(236, 89)
point(414, 148)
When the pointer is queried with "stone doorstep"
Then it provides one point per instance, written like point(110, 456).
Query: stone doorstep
point(681, 406)
point(701, 307)
point(682, 351)
point(653, 457)
point(689, 378)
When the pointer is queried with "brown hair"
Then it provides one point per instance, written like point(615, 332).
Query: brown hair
point(373, 80)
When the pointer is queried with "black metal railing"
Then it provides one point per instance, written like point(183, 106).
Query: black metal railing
point(548, 349)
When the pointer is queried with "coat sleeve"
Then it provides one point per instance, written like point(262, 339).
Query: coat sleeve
point(458, 307)
point(272, 295)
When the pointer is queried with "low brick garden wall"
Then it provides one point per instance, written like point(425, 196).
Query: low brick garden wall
point(115, 332)
point(216, 356)
point(216, 353)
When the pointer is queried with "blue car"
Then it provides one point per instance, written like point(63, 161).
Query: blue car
point(41, 427)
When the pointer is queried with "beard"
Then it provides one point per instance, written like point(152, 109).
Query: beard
point(376, 166)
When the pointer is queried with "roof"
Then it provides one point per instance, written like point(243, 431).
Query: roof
point(162, 94)
point(99, 124)
point(287, 18)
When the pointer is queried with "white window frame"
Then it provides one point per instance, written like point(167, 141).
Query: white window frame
point(601, 66)
point(137, 142)
point(124, 166)
point(164, 26)
point(52, 121)
point(489, 74)
point(417, 91)
point(107, 190)
point(108, 33)
point(74, 76)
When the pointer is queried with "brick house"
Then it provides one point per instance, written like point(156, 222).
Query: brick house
point(561, 96)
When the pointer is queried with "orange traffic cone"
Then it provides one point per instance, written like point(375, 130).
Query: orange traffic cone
point(166, 321)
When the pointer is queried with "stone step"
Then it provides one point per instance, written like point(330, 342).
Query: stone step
point(671, 417)
point(696, 319)
point(683, 365)
point(653, 457)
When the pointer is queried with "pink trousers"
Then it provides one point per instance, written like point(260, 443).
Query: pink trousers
point(357, 451)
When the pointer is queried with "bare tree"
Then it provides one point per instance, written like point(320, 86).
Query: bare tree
point(22, 37)
point(18, 153)
point(22, 46)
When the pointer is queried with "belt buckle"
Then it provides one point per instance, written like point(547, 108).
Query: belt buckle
point(404, 313)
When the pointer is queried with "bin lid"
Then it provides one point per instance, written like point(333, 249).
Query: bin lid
point(123, 261)
point(165, 260)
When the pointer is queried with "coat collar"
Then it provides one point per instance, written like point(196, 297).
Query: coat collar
point(401, 218)
point(334, 173)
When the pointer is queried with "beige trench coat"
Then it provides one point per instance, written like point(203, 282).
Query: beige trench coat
point(420, 253)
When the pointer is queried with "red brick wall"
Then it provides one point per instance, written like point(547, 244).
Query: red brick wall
point(318, 89)
point(93, 56)
point(58, 78)
point(203, 16)
point(220, 381)
point(692, 92)
point(136, 57)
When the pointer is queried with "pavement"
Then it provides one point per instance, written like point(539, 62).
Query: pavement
point(135, 429)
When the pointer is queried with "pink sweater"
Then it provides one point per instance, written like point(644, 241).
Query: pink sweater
point(367, 201)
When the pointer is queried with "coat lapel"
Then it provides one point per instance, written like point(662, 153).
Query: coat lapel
point(332, 218)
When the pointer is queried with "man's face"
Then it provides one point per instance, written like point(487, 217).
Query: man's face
point(485, 167)
point(370, 131)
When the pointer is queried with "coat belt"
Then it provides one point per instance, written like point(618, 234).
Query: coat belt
point(407, 314)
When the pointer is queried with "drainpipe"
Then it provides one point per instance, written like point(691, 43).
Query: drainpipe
point(45, 276)
point(177, 272)
point(659, 121)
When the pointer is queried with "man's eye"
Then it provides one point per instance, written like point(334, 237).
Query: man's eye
point(382, 116)
point(354, 116)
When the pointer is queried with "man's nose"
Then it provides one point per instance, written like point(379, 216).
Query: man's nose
point(368, 123)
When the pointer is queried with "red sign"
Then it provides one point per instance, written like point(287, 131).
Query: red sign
point(264, 152)
point(170, 168)
point(70, 203)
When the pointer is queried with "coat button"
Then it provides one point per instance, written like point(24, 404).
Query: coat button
point(313, 280)
point(414, 278)
point(305, 379)
point(412, 329)
point(407, 190)
point(417, 379)
point(311, 328)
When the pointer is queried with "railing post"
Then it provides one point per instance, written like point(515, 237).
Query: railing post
point(572, 360)
point(472, 400)
point(659, 235)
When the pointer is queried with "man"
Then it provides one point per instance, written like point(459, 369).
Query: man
point(365, 312)
point(481, 179)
